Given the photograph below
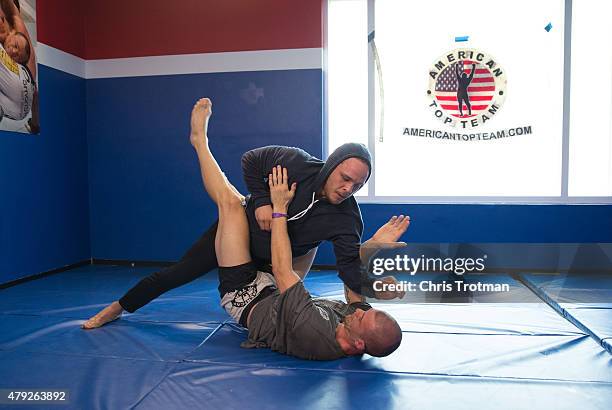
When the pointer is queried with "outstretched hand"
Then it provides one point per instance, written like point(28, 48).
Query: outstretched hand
point(386, 237)
point(392, 230)
point(280, 194)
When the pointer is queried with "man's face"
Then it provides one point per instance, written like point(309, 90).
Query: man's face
point(346, 179)
point(15, 46)
point(360, 323)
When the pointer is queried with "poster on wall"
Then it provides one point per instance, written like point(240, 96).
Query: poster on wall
point(18, 73)
point(474, 107)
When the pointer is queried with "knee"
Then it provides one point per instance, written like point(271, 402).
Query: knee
point(229, 201)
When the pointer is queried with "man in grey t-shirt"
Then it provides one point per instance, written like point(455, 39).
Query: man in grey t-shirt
point(295, 323)
point(277, 310)
point(281, 314)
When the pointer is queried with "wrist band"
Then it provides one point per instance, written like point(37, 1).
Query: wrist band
point(278, 215)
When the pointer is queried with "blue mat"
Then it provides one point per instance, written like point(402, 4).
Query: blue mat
point(504, 356)
point(585, 300)
point(93, 382)
point(181, 351)
point(193, 386)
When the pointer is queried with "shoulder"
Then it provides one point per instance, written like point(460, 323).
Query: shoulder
point(318, 320)
point(285, 152)
point(299, 154)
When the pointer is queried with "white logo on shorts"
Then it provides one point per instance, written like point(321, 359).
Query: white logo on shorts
point(244, 296)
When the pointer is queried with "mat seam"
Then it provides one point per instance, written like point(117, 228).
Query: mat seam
point(174, 367)
point(398, 372)
point(216, 322)
point(177, 362)
point(564, 313)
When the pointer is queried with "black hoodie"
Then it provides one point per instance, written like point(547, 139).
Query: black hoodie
point(340, 224)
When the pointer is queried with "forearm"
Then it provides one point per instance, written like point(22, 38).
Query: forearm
point(9, 8)
point(12, 15)
point(349, 264)
point(368, 250)
point(281, 253)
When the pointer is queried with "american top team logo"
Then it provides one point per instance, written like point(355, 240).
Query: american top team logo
point(467, 88)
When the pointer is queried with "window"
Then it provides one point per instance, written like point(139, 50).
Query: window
point(590, 158)
point(378, 96)
point(347, 57)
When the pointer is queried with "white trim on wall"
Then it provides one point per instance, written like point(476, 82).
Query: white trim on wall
point(262, 60)
point(60, 60)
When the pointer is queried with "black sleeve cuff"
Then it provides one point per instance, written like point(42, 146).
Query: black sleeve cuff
point(261, 201)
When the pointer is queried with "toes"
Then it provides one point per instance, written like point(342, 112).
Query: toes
point(90, 324)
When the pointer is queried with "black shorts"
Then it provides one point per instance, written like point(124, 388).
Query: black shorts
point(241, 287)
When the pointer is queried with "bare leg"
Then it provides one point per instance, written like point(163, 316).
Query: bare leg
point(215, 182)
point(232, 239)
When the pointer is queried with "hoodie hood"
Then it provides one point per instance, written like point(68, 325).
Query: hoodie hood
point(342, 153)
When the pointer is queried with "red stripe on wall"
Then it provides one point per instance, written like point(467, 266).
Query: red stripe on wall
point(135, 28)
point(61, 24)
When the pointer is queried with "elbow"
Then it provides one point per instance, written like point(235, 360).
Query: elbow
point(244, 160)
point(248, 157)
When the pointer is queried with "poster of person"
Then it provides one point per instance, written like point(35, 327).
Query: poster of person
point(18, 74)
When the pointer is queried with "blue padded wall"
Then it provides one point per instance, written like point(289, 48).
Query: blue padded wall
point(490, 223)
point(44, 210)
point(146, 194)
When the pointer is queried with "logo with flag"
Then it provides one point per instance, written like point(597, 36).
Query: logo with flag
point(467, 87)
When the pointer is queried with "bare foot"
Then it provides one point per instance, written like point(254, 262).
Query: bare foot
point(108, 314)
point(200, 115)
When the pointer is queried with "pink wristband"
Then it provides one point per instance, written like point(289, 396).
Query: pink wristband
point(278, 215)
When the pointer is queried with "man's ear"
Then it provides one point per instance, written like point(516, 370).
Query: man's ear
point(359, 344)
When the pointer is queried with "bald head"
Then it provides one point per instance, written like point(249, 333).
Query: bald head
point(385, 338)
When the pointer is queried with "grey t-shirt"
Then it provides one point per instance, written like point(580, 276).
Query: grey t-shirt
point(297, 324)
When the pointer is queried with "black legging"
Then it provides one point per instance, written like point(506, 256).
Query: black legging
point(199, 260)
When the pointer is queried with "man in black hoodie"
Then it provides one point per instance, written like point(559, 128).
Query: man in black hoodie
point(323, 209)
